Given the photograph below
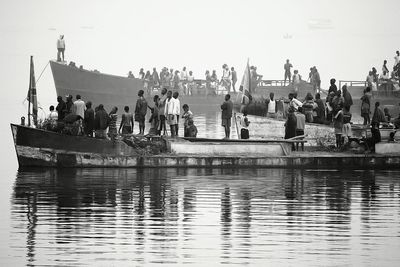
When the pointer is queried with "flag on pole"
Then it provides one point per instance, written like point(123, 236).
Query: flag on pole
point(32, 97)
point(245, 84)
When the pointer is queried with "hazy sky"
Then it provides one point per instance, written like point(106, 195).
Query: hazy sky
point(344, 39)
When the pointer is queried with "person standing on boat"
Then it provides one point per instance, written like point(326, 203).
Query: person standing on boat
point(377, 118)
point(61, 108)
point(126, 122)
point(177, 81)
point(214, 81)
point(79, 107)
point(191, 83)
point(316, 80)
point(208, 82)
point(290, 125)
point(296, 80)
point(154, 118)
point(234, 79)
point(187, 115)
point(332, 87)
point(183, 81)
point(88, 121)
point(169, 112)
point(177, 111)
point(141, 74)
point(338, 125)
point(348, 100)
point(69, 104)
point(226, 117)
point(155, 79)
point(288, 73)
point(300, 126)
point(366, 106)
point(140, 111)
point(60, 48)
point(320, 110)
point(101, 121)
point(162, 130)
point(112, 125)
point(226, 77)
point(272, 107)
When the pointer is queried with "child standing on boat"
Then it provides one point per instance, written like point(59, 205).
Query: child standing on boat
point(187, 115)
point(244, 124)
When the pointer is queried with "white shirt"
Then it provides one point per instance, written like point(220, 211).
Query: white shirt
point(271, 106)
point(226, 74)
point(177, 107)
point(184, 75)
point(53, 116)
point(79, 108)
point(296, 78)
point(295, 103)
point(60, 43)
point(169, 106)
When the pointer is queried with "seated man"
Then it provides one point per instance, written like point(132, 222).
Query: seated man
point(191, 130)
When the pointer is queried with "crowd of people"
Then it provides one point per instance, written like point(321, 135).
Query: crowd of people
point(79, 118)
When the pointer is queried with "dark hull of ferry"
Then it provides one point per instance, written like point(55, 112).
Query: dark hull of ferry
point(112, 90)
point(40, 148)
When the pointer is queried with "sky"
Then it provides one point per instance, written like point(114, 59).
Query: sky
point(344, 39)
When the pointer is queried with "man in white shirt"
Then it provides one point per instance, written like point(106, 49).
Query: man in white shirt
point(271, 106)
point(169, 112)
point(60, 48)
point(79, 107)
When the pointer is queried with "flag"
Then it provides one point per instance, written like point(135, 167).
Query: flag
point(245, 84)
point(32, 97)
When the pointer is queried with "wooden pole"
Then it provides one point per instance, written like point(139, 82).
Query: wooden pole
point(30, 93)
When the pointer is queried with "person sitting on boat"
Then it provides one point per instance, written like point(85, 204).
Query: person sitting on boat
point(88, 121)
point(51, 120)
point(101, 121)
point(130, 75)
point(226, 108)
point(300, 126)
point(244, 126)
point(191, 129)
point(272, 107)
point(140, 111)
point(291, 125)
point(294, 102)
point(112, 125)
point(187, 115)
point(72, 124)
point(154, 118)
point(126, 122)
point(308, 107)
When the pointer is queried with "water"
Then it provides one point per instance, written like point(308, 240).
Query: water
point(199, 217)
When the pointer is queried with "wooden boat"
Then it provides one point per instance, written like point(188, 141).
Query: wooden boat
point(112, 90)
point(41, 148)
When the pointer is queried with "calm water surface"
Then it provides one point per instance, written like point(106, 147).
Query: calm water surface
point(198, 217)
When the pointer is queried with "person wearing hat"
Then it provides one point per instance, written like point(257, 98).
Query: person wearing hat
point(60, 48)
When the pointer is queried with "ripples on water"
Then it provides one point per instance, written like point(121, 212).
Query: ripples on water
point(205, 217)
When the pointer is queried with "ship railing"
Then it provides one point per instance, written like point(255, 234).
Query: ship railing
point(389, 87)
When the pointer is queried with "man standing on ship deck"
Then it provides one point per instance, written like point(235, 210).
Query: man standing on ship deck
point(288, 73)
point(60, 48)
point(226, 108)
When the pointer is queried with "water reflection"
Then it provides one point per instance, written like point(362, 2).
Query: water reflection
point(205, 216)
